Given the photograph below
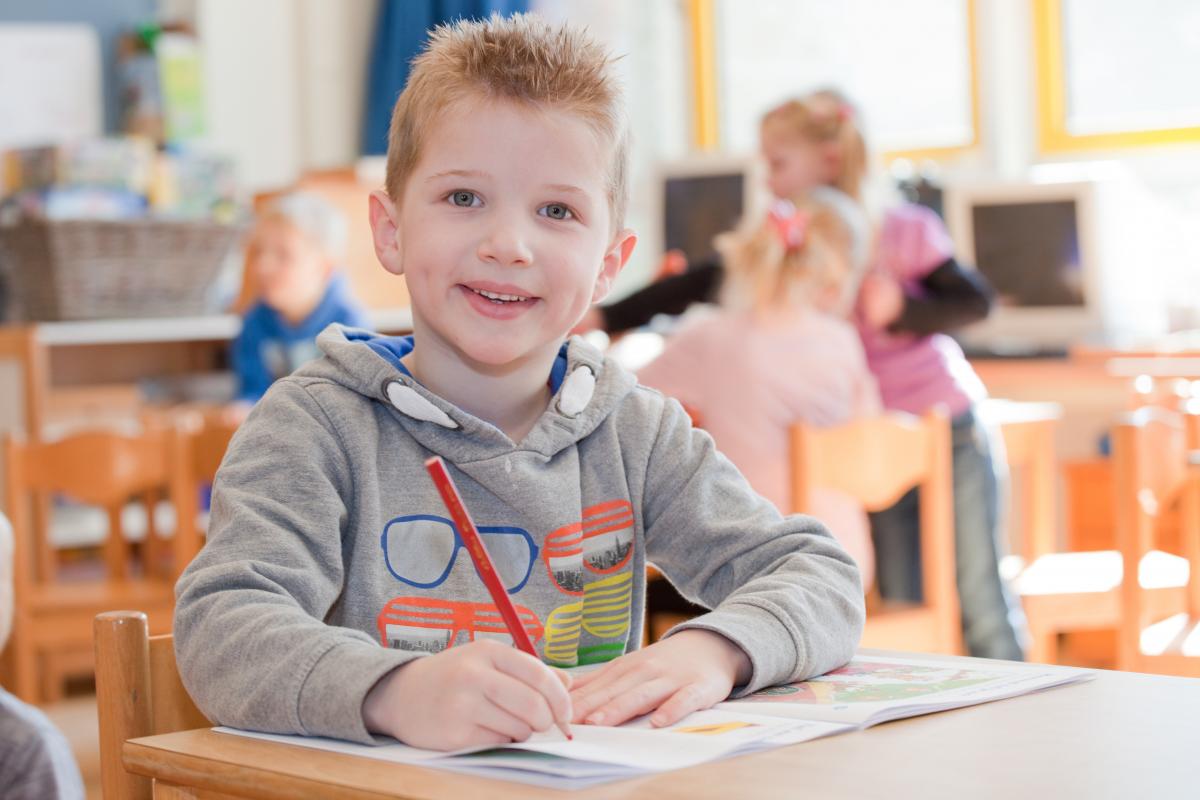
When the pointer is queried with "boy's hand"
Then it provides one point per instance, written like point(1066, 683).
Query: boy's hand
point(880, 300)
point(690, 671)
point(480, 693)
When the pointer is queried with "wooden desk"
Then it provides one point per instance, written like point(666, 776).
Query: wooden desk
point(1121, 735)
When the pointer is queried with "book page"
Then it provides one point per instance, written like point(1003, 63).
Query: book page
point(597, 752)
point(874, 689)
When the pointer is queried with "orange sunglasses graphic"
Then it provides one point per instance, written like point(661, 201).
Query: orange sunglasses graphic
point(602, 543)
point(430, 625)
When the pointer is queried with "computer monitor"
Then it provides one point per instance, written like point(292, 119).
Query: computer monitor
point(701, 197)
point(1067, 260)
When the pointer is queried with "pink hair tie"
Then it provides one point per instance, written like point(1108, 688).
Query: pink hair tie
point(791, 225)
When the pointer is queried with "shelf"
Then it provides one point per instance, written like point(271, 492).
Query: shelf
point(179, 329)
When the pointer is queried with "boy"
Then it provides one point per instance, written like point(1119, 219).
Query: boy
point(293, 255)
point(506, 189)
point(35, 759)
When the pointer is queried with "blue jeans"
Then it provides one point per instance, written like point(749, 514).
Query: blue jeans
point(992, 621)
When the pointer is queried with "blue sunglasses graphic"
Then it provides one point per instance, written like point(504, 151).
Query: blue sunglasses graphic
point(420, 550)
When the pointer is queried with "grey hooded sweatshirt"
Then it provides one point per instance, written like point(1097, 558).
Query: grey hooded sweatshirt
point(331, 560)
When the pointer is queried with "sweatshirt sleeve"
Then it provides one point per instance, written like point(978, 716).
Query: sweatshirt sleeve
point(781, 588)
point(252, 647)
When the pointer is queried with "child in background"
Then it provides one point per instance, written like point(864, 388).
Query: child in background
point(913, 294)
point(294, 253)
point(780, 351)
point(35, 759)
point(332, 596)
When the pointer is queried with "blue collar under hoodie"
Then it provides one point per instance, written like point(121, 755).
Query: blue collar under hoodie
point(331, 559)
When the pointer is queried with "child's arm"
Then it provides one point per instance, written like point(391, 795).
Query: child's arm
point(671, 295)
point(250, 640)
point(953, 298)
point(787, 600)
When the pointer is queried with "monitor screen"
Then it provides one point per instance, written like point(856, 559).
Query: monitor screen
point(698, 207)
point(1029, 251)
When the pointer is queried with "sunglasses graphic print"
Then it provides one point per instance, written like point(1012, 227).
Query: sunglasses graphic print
point(421, 550)
point(604, 612)
point(429, 625)
point(600, 544)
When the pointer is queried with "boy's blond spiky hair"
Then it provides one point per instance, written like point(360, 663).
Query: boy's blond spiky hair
point(521, 59)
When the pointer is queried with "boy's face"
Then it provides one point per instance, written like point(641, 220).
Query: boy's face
point(503, 232)
point(290, 269)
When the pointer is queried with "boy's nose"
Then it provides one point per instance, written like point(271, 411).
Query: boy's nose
point(506, 246)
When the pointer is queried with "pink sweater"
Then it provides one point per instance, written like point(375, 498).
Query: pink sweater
point(917, 372)
point(750, 379)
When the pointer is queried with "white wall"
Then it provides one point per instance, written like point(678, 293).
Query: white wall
point(284, 83)
point(650, 39)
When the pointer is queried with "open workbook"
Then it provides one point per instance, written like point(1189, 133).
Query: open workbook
point(865, 692)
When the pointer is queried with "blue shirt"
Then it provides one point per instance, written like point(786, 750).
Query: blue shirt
point(268, 348)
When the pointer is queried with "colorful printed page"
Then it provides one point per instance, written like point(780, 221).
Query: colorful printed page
point(597, 754)
point(870, 689)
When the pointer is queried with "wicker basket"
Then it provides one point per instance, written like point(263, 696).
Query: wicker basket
point(86, 269)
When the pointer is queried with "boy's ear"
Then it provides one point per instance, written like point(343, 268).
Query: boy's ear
point(614, 261)
point(385, 232)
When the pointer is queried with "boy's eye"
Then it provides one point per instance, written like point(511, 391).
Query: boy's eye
point(556, 211)
point(464, 199)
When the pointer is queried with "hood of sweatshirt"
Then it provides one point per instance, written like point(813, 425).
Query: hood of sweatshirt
point(586, 386)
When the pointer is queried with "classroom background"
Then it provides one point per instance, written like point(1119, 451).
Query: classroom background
point(138, 139)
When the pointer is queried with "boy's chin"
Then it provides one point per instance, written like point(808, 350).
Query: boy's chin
point(498, 353)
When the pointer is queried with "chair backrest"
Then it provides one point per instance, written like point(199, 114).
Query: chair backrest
point(1152, 473)
point(876, 460)
point(98, 468)
point(138, 693)
point(22, 384)
point(201, 446)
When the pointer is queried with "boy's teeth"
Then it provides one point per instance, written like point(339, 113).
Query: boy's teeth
point(508, 298)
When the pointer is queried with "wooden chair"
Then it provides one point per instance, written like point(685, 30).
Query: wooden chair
point(52, 623)
point(1156, 468)
point(1083, 591)
point(203, 440)
point(876, 461)
point(138, 693)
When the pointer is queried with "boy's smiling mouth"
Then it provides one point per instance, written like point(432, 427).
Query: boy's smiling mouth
point(498, 301)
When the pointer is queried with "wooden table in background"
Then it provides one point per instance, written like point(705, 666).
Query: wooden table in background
point(1121, 735)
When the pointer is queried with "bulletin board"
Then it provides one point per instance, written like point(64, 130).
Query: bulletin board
point(50, 85)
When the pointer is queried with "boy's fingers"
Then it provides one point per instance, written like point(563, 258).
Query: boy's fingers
point(519, 700)
point(493, 719)
point(636, 700)
point(537, 676)
point(567, 679)
point(683, 702)
point(604, 692)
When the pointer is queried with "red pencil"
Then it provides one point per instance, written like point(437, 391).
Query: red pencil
point(483, 562)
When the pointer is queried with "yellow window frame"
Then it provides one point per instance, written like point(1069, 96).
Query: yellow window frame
point(706, 130)
point(1051, 78)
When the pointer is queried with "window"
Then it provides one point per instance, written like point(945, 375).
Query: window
point(909, 66)
point(1117, 74)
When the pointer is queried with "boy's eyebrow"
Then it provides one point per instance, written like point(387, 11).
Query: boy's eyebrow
point(459, 173)
point(566, 188)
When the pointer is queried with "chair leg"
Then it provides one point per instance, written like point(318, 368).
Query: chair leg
point(25, 677)
point(1043, 647)
point(52, 679)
